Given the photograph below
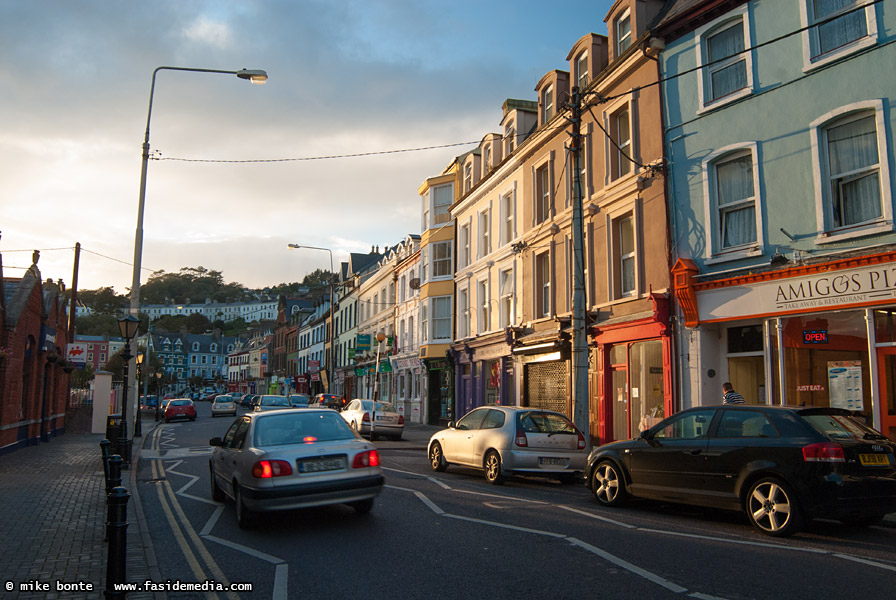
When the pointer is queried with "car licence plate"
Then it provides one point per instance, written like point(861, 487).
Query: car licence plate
point(383, 418)
point(552, 462)
point(874, 460)
point(318, 465)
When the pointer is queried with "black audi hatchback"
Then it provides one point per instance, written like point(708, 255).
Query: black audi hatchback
point(781, 465)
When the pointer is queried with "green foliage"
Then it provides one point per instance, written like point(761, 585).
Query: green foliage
point(102, 324)
point(194, 283)
point(103, 301)
point(81, 378)
point(194, 323)
point(318, 278)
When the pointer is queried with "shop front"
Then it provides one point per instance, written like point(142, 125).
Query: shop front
point(542, 359)
point(816, 335)
point(439, 393)
point(631, 387)
point(485, 372)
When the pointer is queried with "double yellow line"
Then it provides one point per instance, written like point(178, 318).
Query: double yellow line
point(183, 531)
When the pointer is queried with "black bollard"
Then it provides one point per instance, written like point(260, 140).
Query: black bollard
point(116, 562)
point(106, 449)
point(114, 482)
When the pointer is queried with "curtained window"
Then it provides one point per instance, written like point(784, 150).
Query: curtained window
point(736, 200)
point(840, 31)
point(853, 170)
point(730, 73)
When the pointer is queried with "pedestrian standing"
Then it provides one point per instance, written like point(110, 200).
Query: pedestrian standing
point(729, 396)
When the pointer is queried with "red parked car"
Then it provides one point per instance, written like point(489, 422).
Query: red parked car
point(180, 408)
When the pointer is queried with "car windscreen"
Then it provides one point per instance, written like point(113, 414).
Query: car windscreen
point(301, 427)
point(541, 422)
point(841, 427)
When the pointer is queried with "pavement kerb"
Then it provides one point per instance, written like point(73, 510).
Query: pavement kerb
point(152, 562)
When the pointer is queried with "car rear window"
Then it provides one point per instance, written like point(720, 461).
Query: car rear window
point(300, 427)
point(541, 422)
point(181, 402)
point(841, 427)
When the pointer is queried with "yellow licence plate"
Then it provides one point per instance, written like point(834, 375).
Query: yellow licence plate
point(872, 460)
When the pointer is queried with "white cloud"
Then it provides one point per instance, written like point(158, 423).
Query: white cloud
point(206, 31)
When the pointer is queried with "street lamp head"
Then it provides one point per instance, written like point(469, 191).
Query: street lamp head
point(380, 337)
point(254, 75)
point(127, 326)
point(294, 246)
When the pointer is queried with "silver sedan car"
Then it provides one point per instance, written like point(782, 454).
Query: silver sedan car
point(507, 440)
point(288, 459)
point(223, 405)
point(386, 421)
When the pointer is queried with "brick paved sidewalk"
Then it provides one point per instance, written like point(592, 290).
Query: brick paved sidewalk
point(52, 519)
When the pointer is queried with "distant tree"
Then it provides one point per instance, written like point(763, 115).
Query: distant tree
point(318, 277)
point(100, 324)
point(197, 284)
point(197, 323)
point(81, 378)
point(103, 301)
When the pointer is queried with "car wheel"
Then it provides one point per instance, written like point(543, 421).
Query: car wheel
point(217, 493)
point(362, 507)
point(772, 508)
point(862, 520)
point(437, 458)
point(493, 468)
point(608, 485)
point(243, 514)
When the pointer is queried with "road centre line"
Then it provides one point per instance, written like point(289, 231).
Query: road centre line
point(178, 534)
point(711, 538)
point(865, 561)
point(281, 570)
point(197, 541)
point(673, 587)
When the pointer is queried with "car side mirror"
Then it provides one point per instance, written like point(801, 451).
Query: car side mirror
point(645, 435)
point(216, 441)
point(451, 424)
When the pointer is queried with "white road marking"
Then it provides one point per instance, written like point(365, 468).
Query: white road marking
point(598, 517)
point(674, 587)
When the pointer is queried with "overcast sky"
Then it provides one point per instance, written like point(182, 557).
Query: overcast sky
point(345, 77)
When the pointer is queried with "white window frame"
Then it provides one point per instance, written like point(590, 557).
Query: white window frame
point(508, 216)
point(547, 103)
point(485, 241)
point(463, 312)
point(714, 252)
point(434, 301)
point(542, 294)
point(509, 138)
point(609, 116)
point(704, 86)
point(465, 240)
point(810, 37)
point(632, 209)
point(446, 262)
point(506, 296)
point(482, 306)
point(582, 59)
point(546, 198)
point(618, 41)
point(823, 201)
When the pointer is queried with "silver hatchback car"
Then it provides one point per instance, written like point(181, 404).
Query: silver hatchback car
point(287, 459)
point(507, 440)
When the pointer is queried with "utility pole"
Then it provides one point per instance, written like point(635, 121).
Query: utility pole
point(579, 334)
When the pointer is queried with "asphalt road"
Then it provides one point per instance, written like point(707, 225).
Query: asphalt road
point(452, 535)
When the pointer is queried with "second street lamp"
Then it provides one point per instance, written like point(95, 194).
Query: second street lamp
point(331, 360)
point(128, 329)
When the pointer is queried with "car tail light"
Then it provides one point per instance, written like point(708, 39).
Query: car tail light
point(368, 458)
point(581, 445)
point(400, 420)
point(824, 452)
point(366, 418)
point(309, 439)
point(520, 439)
point(265, 469)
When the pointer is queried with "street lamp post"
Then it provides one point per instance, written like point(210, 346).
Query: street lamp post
point(128, 329)
point(138, 422)
point(255, 76)
point(380, 338)
point(158, 394)
point(331, 370)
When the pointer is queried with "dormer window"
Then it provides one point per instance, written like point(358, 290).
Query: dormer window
point(468, 177)
point(623, 33)
point(582, 70)
point(547, 104)
point(509, 138)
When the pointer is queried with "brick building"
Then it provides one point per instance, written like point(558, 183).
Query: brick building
point(33, 377)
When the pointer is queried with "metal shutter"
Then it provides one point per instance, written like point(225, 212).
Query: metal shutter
point(545, 386)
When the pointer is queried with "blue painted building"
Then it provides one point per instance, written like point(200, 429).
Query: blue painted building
point(778, 123)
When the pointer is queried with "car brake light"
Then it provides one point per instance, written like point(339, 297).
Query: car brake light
point(400, 420)
point(521, 439)
point(824, 452)
point(368, 458)
point(265, 469)
point(309, 439)
point(581, 440)
point(366, 417)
